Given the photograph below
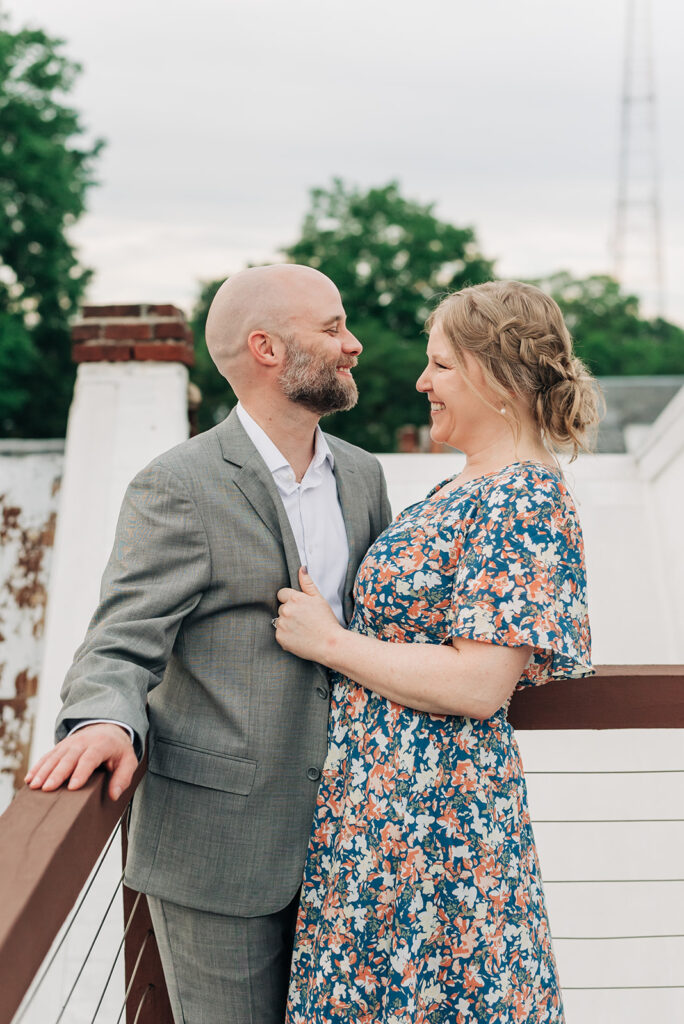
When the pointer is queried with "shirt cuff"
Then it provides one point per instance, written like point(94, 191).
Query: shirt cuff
point(103, 721)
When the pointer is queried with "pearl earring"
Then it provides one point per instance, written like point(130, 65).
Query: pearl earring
point(502, 410)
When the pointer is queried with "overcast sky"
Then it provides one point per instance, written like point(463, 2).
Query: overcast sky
point(220, 115)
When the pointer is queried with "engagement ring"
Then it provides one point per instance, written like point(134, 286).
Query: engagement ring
point(274, 623)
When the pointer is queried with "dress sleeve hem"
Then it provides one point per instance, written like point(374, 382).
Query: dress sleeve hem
point(563, 664)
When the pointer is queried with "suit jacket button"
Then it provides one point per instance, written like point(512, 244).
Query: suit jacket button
point(321, 691)
point(314, 774)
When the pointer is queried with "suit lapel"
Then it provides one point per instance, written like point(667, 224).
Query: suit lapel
point(256, 490)
point(289, 543)
point(355, 515)
point(255, 481)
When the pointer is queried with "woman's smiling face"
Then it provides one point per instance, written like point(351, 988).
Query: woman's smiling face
point(457, 394)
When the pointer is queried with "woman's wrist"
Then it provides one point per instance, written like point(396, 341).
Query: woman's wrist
point(333, 648)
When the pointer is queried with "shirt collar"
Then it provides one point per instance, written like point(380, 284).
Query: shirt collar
point(272, 456)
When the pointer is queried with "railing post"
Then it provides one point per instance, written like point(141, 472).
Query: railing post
point(147, 1000)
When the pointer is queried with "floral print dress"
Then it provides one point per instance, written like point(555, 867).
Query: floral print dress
point(422, 898)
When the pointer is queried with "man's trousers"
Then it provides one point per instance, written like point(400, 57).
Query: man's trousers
point(224, 970)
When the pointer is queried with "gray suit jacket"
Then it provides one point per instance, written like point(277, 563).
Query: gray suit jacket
point(182, 639)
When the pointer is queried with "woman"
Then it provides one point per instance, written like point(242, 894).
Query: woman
point(422, 898)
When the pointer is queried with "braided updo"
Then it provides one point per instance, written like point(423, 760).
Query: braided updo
point(518, 335)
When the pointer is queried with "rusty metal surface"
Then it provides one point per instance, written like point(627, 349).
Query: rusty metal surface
point(29, 494)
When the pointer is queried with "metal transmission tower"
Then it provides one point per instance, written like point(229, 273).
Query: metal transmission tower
point(637, 246)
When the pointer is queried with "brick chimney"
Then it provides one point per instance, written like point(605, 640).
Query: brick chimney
point(116, 334)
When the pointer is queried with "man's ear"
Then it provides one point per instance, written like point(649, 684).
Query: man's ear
point(265, 348)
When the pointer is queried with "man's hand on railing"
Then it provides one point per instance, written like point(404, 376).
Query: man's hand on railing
point(77, 756)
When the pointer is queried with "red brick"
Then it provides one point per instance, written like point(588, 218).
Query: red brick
point(109, 311)
point(175, 330)
point(164, 352)
point(165, 311)
point(128, 332)
point(101, 353)
point(85, 332)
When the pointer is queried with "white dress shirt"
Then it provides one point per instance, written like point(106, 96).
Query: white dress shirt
point(313, 509)
point(315, 515)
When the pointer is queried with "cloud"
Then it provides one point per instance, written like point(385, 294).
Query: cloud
point(219, 117)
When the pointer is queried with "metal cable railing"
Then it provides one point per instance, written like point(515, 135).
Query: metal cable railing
point(44, 974)
point(143, 999)
point(86, 958)
point(610, 938)
point(49, 844)
point(645, 937)
point(37, 983)
point(608, 881)
point(126, 930)
point(56, 850)
point(134, 973)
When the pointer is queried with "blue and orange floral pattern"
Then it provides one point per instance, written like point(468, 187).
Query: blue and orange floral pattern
point(422, 900)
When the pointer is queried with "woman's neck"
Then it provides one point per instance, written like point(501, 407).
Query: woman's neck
point(495, 456)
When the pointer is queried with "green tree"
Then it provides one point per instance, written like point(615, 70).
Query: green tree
point(609, 334)
point(391, 258)
point(45, 171)
point(217, 395)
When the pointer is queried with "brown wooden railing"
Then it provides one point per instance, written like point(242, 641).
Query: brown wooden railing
point(49, 842)
point(617, 697)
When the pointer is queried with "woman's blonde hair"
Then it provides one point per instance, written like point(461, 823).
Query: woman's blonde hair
point(518, 335)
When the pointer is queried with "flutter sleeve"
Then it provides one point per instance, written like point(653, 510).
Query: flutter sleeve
point(520, 577)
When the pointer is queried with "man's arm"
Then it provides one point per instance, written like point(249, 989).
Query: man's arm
point(159, 567)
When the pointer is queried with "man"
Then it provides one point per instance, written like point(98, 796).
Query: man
point(208, 534)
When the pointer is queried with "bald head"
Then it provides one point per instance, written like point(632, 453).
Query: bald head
point(265, 299)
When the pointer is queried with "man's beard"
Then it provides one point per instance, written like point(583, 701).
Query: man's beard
point(310, 381)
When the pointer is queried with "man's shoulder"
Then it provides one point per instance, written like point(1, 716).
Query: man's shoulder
point(359, 456)
point(190, 457)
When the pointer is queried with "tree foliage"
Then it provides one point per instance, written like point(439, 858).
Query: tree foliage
point(392, 259)
point(609, 334)
point(217, 395)
point(45, 171)
point(389, 256)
